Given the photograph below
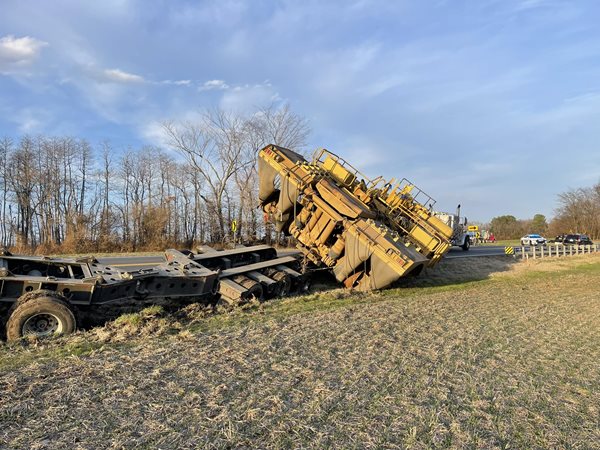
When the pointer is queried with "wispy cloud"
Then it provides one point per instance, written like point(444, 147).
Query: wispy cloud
point(28, 120)
point(121, 76)
point(177, 82)
point(213, 84)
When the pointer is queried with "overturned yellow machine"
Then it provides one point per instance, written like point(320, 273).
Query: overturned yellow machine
point(368, 232)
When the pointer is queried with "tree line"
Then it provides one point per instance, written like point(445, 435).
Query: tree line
point(578, 211)
point(62, 194)
point(509, 227)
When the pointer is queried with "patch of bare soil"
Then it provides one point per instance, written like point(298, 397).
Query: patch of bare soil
point(508, 363)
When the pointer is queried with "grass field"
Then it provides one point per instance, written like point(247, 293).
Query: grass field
point(479, 353)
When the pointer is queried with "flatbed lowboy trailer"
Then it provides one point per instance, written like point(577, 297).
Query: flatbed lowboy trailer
point(41, 296)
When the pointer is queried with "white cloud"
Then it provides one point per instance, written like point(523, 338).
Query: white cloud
point(177, 82)
point(214, 84)
point(18, 52)
point(120, 76)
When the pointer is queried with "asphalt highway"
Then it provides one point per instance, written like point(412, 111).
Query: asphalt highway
point(136, 262)
point(475, 251)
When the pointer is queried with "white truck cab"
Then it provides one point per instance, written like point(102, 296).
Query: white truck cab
point(460, 237)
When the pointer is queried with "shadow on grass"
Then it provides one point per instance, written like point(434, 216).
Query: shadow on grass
point(450, 271)
point(458, 271)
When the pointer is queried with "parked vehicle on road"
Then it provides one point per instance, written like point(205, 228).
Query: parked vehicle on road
point(533, 239)
point(577, 239)
point(557, 240)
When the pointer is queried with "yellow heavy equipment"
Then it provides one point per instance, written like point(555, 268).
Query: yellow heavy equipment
point(369, 232)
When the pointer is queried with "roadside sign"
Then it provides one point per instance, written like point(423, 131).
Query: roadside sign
point(473, 228)
point(509, 250)
point(234, 225)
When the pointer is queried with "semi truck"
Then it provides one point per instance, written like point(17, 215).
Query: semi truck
point(460, 232)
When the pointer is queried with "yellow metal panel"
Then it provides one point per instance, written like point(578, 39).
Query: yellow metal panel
point(338, 171)
point(440, 226)
point(424, 238)
point(342, 200)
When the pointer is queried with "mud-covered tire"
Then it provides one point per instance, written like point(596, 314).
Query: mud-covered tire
point(256, 292)
point(304, 285)
point(40, 317)
point(255, 289)
point(285, 283)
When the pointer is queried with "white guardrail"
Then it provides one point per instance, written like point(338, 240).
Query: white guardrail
point(551, 250)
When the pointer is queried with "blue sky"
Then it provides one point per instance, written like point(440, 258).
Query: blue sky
point(494, 104)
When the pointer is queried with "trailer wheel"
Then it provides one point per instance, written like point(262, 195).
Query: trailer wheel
point(40, 317)
point(255, 289)
point(304, 285)
point(255, 292)
point(285, 283)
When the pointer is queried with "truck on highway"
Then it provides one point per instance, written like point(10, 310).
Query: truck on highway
point(460, 232)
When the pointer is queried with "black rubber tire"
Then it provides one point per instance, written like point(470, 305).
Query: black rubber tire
point(304, 285)
point(285, 283)
point(255, 289)
point(45, 305)
point(256, 292)
point(467, 245)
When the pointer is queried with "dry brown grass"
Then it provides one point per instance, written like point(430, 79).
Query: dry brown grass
point(509, 362)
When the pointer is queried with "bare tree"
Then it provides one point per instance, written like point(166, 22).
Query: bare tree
point(279, 126)
point(222, 148)
point(62, 194)
point(6, 149)
point(579, 211)
point(213, 147)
